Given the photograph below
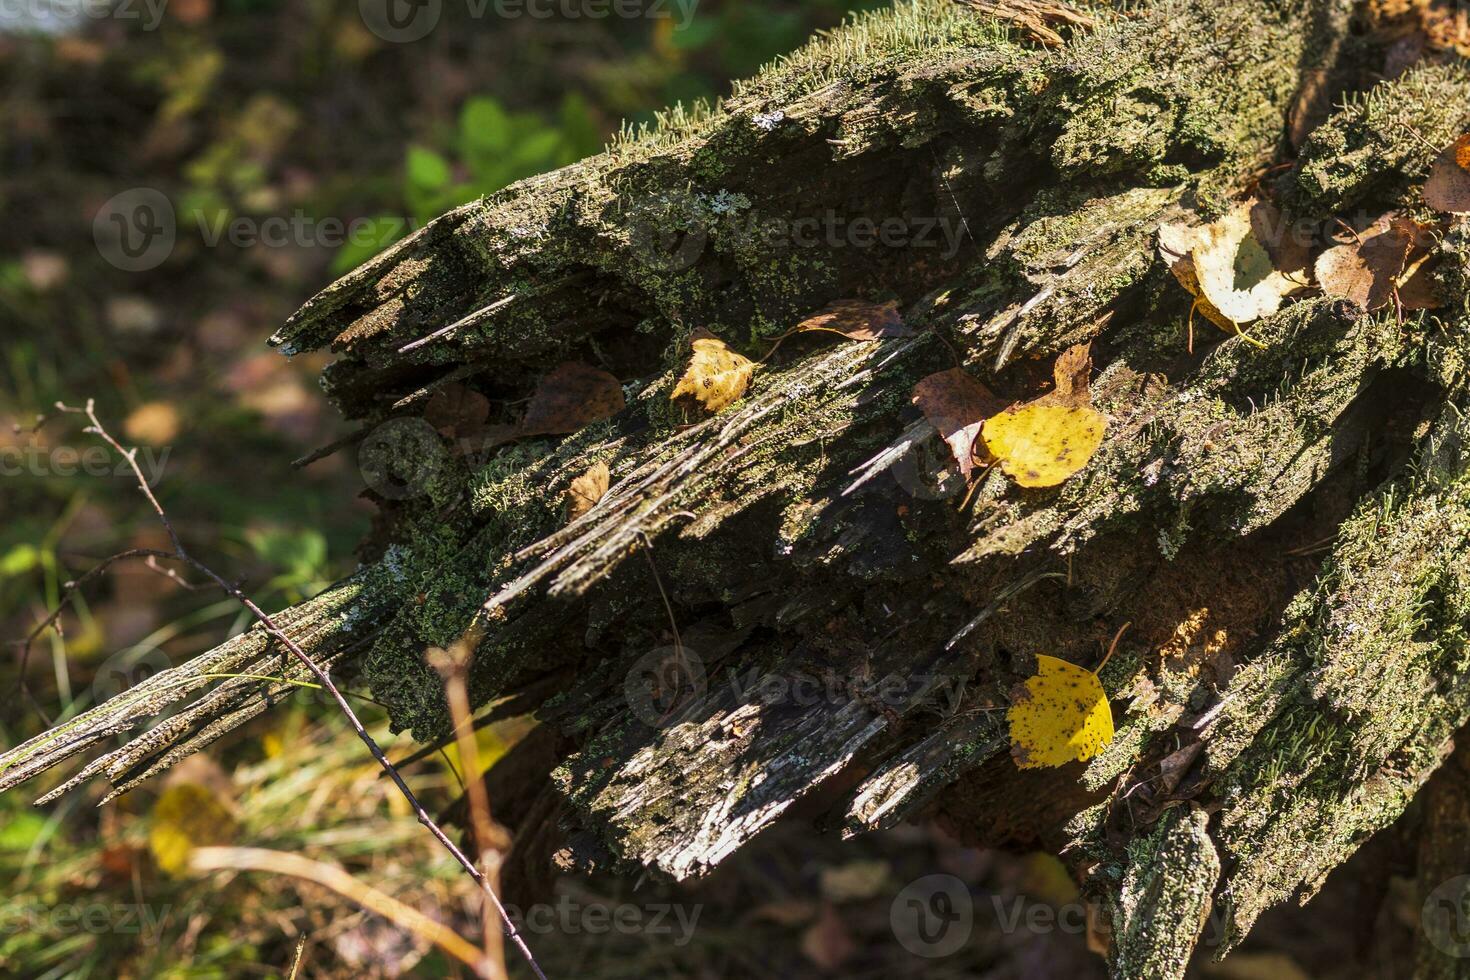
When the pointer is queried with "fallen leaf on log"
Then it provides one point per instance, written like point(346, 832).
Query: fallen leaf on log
point(858, 320)
point(570, 397)
point(1047, 440)
point(1236, 270)
point(957, 406)
point(716, 376)
point(1448, 188)
point(586, 490)
point(457, 411)
point(1061, 716)
point(1365, 270)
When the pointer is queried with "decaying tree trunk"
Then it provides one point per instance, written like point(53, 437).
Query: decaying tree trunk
point(1285, 526)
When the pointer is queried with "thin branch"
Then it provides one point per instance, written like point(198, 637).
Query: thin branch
point(274, 631)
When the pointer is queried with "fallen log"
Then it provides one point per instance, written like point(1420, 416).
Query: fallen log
point(796, 598)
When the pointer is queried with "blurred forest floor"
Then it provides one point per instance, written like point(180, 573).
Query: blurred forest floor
point(291, 119)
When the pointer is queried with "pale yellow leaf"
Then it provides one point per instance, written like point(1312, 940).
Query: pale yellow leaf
point(716, 376)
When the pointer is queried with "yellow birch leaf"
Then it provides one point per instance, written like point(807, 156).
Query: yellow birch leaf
point(1061, 716)
point(717, 376)
point(1040, 445)
point(186, 816)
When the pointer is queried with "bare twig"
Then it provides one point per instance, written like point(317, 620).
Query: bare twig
point(272, 630)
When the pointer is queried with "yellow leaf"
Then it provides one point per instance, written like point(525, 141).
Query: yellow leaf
point(186, 816)
point(717, 376)
point(1063, 716)
point(155, 424)
point(1040, 445)
point(1241, 267)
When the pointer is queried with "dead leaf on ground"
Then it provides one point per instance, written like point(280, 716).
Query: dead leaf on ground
point(1047, 440)
point(827, 942)
point(858, 320)
point(571, 397)
point(717, 376)
point(957, 406)
point(153, 423)
point(1448, 188)
point(587, 489)
point(186, 816)
point(1061, 715)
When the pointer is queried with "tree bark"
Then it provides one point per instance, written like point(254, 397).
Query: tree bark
point(1284, 526)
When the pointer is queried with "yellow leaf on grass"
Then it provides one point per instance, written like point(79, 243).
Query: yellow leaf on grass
point(717, 376)
point(1061, 716)
point(186, 816)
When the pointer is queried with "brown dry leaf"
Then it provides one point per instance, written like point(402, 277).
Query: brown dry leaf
point(570, 397)
point(1366, 269)
point(858, 320)
point(827, 942)
point(457, 411)
point(1418, 289)
point(716, 376)
point(587, 489)
point(1448, 188)
point(957, 406)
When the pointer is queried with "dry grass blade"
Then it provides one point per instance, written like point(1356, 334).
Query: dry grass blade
point(339, 881)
